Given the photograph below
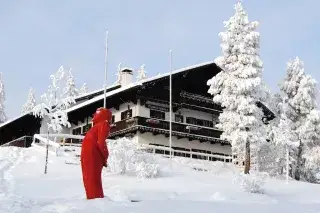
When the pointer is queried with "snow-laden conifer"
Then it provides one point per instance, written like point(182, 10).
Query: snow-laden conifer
point(300, 115)
point(118, 74)
point(238, 86)
point(70, 89)
point(31, 102)
point(84, 89)
point(141, 73)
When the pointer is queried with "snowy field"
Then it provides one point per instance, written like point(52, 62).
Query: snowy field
point(179, 188)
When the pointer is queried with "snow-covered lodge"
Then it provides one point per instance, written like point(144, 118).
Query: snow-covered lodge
point(141, 111)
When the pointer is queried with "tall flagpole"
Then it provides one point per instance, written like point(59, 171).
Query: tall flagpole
point(170, 106)
point(105, 72)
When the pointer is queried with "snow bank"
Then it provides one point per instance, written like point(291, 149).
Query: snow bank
point(127, 157)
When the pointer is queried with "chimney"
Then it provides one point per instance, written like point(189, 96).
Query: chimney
point(126, 75)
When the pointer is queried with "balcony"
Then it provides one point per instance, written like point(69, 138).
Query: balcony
point(157, 126)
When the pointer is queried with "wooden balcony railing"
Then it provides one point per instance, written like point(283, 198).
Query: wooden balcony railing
point(162, 126)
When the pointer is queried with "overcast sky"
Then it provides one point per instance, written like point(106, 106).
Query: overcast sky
point(38, 36)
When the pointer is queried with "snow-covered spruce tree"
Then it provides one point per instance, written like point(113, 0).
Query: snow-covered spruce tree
point(309, 128)
point(141, 73)
point(70, 89)
point(3, 116)
point(31, 102)
point(238, 86)
point(83, 90)
point(299, 114)
point(53, 107)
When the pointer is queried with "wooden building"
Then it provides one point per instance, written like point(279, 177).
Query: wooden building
point(141, 111)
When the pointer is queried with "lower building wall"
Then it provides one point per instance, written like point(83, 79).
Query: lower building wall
point(149, 138)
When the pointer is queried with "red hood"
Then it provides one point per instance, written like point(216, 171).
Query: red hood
point(101, 115)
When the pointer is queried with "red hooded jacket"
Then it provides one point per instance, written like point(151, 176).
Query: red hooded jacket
point(94, 153)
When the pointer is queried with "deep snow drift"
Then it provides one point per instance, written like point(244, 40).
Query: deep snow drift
point(178, 188)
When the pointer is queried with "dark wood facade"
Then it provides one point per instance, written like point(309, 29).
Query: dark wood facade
point(26, 125)
point(189, 91)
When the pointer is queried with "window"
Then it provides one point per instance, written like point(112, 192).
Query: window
point(126, 114)
point(86, 128)
point(76, 131)
point(200, 122)
point(178, 118)
point(207, 123)
point(112, 119)
point(157, 114)
point(191, 120)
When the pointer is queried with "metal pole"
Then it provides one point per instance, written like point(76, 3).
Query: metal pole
point(170, 106)
point(287, 165)
point(105, 72)
point(47, 154)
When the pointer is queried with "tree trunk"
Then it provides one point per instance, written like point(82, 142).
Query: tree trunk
point(247, 159)
point(298, 169)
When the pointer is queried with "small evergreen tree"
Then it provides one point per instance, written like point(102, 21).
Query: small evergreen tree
point(31, 102)
point(118, 74)
point(141, 73)
point(238, 86)
point(70, 89)
point(3, 116)
point(83, 90)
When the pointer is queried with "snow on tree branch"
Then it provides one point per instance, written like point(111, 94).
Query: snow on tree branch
point(54, 103)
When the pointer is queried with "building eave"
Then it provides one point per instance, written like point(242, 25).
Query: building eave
point(135, 84)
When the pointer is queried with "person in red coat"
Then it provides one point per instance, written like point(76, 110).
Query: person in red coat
point(94, 153)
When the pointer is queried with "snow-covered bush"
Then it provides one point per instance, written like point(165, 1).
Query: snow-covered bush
point(127, 157)
point(252, 183)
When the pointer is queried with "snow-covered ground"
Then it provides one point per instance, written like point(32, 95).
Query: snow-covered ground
point(180, 188)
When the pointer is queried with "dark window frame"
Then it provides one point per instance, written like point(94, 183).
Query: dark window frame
point(126, 114)
point(162, 115)
point(178, 118)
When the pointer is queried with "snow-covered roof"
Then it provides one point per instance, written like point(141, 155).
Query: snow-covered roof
point(13, 119)
point(113, 92)
point(95, 91)
point(100, 97)
point(132, 85)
